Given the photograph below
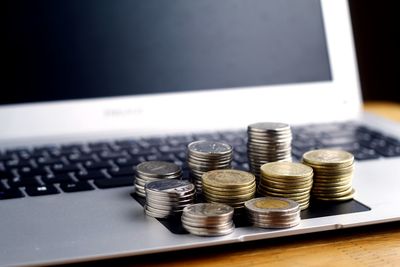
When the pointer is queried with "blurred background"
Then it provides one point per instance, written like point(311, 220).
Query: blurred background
point(375, 33)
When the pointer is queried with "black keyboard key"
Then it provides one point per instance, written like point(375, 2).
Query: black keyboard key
point(172, 149)
point(57, 178)
point(15, 163)
point(124, 162)
point(43, 161)
point(389, 151)
point(6, 174)
point(64, 168)
point(90, 175)
point(114, 182)
point(107, 155)
point(4, 157)
point(76, 187)
point(2, 187)
point(31, 172)
point(127, 171)
point(10, 193)
point(99, 145)
point(139, 152)
point(41, 190)
point(74, 158)
point(22, 181)
point(92, 165)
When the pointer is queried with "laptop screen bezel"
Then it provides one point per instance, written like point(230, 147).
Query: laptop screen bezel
point(157, 114)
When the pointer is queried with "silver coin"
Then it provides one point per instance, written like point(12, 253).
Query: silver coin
point(209, 148)
point(208, 210)
point(157, 169)
point(207, 232)
point(268, 127)
point(173, 186)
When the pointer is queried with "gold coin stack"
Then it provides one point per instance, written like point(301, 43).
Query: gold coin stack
point(204, 156)
point(268, 142)
point(231, 187)
point(273, 212)
point(287, 180)
point(208, 219)
point(333, 174)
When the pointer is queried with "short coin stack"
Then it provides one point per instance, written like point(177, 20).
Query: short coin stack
point(208, 219)
point(231, 187)
point(268, 142)
point(204, 156)
point(149, 171)
point(273, 212)
point(333, 174)
point(165, 198)
point(288, 180)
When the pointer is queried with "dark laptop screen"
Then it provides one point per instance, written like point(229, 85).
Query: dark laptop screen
point(59, 50)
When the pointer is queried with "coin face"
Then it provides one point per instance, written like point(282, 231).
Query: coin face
point(228, 178)
point(328, 157)
point(268, 126)
point(286, 169)
point(208, 210)
point(270, 203)
point(209, 148)
point(157, 168)
point(170, 184)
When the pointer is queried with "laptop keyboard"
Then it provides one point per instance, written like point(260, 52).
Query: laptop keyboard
point(54, 169)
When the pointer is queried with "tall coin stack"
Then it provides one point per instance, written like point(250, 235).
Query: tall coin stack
point(208, 219)
point(288, 180)
point(204, 156)
point(231, 187)
point(273, 212)
point(149, 171)
point(268, 142)
point(165, 198)
point(333, 174)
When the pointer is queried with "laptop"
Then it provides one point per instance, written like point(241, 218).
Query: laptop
point(92, 88)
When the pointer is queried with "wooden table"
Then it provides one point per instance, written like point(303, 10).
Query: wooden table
point(377, 245)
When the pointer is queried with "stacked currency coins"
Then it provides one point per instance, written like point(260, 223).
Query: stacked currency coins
point(273, 212)
point(333, 174)
point(149, 171)
point(168, 197)
point(204, 156)
point(208, 219)
point(288, 180)
point(231, 187)
point(268, 142)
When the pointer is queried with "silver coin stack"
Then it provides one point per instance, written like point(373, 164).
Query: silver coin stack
point(149, 171)
point(208, 219)
point(204, 156)
point(268, 142)
point(165, 198)
point(273, 212)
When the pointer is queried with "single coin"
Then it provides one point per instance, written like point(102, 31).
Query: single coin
point(170, 186)
point(209, 148)
point(328, 157)
point(228, 178)
point(286, 170)
point(208, 210)
point(155, 169)
point(271, 204)
point(268, 127)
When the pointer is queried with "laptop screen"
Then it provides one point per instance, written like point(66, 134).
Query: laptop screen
point(65, 50)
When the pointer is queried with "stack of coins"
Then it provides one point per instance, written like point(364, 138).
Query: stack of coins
point(204, 156)
point(149, 171)
point(231, 187)
point(165, 198)
point(273, 212)
point(333, 174)
point(208, 219)
point(268, 142)
point(288, 180)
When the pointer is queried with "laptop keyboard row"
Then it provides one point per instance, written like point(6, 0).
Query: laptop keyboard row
point(71, 168)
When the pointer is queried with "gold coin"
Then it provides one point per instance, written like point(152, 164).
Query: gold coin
point(286, 170)
point(329, 157)
point(223, 190)
point(342, 198)
point(228, 178)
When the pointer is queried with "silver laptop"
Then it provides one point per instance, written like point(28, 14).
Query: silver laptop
point(95, 87)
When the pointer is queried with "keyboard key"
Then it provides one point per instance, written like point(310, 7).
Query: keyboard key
point(92, 165)
point(31, 172)
point(43, 161)
point(41, 190)
point(57, 178)
point(124, 162)
point(22, 181)
point(74, 158)
point(127, 171)
point(15, 163)
point(10, 193)
point(64, 168)
point(90, 175)
point(106, 155)
point(6, 174)
point(114, 182)
point(76, 187)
